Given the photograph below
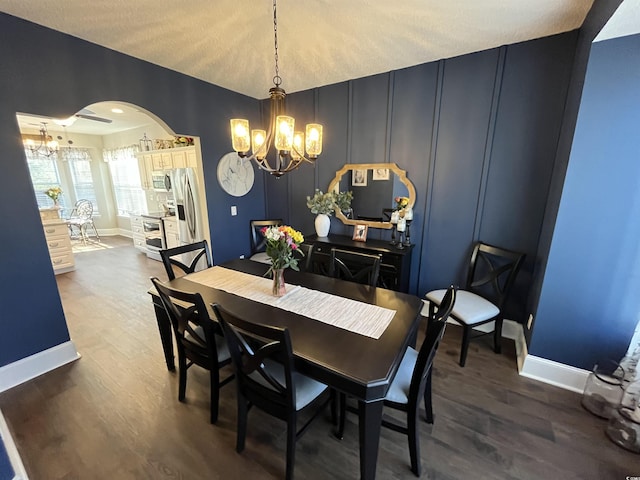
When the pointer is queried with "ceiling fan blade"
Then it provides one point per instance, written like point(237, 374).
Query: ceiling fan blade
point(92, 117)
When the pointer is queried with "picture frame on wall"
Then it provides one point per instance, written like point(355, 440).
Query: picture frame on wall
point(360, 233)
point(359, 177)
point(380, 174)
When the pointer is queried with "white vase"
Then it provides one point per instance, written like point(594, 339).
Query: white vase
point(322, 223)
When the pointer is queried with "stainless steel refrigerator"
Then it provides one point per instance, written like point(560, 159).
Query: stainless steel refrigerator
point(184, 185)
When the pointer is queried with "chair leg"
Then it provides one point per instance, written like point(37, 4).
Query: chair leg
point(466, 332)
point(334, 407)
point(428, 407)
point(214, 377)
point(291, 445)
point(342, 401)
point(182, 382)
point(95, 230)
point(414, 440)
point(242, 423)
point(497, 336)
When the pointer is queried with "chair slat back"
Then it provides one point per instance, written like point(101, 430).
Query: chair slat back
point(258, 242)
point(430, 344)
point(254, 348)
point(492, 272)
point(194, 330)
point(197, 251)
point(83, 209)
point(357, 267)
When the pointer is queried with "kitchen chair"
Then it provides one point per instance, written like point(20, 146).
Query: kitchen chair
point(354, 266)
point(180, 256)
point(81, 218)
point(258, 242)
point(198, 338)
point(412, 383)
point(267, 378)
point(491, 274)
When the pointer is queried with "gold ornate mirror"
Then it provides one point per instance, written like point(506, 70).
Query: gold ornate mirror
point(374, 187)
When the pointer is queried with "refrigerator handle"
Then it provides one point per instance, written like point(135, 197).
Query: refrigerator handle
point(190, 208)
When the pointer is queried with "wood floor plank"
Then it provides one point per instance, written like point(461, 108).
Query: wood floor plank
point(115, 412)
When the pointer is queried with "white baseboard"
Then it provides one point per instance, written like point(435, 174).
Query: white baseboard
point(109, 232)
point(554, 373)
point(530, 366)
point(19, 473)
point(35, 365)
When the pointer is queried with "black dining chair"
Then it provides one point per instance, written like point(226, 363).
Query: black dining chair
point(199, 340)
point(490, 276)
point(412, 383)
point(267, 378)
point(187, 258)
point(257, 241)
point(354, 266)
point(304, 255)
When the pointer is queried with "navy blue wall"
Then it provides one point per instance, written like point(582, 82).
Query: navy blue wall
point(72, 75)
point(590, 292)
point(476, 134)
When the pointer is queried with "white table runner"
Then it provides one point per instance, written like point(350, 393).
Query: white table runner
point(358, 317)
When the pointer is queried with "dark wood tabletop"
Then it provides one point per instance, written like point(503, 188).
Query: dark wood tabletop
point(358, 365)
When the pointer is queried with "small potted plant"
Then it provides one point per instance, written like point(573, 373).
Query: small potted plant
point(323, 205)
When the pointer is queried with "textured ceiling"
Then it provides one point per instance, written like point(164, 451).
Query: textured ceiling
point(230, 42)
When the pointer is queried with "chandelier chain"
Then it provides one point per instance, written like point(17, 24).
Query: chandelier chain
point(277, 80)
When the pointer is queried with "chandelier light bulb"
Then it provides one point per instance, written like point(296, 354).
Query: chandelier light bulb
point(258, 143)
point(284, 133)
point(240, 135)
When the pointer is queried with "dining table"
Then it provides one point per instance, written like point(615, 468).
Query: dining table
point(354, 359)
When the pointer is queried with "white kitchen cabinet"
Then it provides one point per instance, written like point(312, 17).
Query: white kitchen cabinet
point(137, 231)
point(56, 234)
point(162, 160)
point(145, 165)
point(171, 234)
point(158, 160)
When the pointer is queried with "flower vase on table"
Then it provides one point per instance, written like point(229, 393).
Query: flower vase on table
point(282, 243)
point(279, 288)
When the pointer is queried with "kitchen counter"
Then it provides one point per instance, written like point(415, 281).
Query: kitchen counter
point(157, 215)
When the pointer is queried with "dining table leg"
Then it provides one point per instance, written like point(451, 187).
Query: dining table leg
point(164, 327)
point(369, 423)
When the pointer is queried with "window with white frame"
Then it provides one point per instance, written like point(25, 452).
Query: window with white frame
point(79, 162)
point(44, 175)
point(125, 176)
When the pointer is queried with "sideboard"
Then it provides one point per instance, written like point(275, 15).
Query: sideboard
point(394, 268)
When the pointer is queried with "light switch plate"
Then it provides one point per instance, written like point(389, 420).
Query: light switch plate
point(234, 210)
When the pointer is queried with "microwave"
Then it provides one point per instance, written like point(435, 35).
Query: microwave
point(161, 181)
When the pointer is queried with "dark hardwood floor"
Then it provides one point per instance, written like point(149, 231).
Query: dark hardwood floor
point(114, 414)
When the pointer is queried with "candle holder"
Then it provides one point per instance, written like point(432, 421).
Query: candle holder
point(400, 245)
point(393, 234)
point(407, 238)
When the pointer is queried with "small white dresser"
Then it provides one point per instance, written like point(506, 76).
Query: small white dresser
point(56, 233)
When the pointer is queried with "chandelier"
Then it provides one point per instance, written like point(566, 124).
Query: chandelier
point(289, 143)
point(47, 147)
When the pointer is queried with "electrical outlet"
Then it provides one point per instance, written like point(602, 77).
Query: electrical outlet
point(234, 210)
point(530, 321)
point(241, 256)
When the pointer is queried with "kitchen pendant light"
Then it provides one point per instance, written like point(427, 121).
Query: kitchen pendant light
point(47, 147)
point(290, 144)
